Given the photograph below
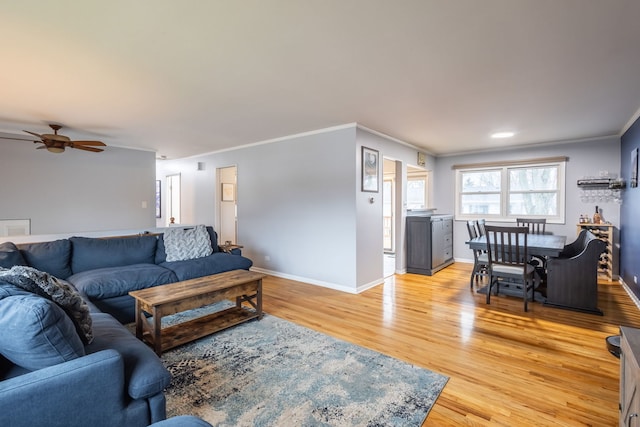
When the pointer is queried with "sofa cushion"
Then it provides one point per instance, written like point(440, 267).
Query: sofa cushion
point(213, 236)
point(218, 262)
point(8, 290)
point(36, 332)
point(10, 255)
point(145, 375)
point(53, 257)
point(161, 254)
point(91, 253)
point(57, 290)
point(110, 282)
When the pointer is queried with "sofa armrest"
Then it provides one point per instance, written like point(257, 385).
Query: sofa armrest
point(144, 373)
point(89, 390)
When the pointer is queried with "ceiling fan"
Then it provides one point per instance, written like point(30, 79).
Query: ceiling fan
point(57, 143)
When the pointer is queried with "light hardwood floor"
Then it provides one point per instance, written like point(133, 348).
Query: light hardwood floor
point(546, 367)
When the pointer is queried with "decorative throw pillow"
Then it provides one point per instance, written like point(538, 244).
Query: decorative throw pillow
point(36, 332)
point(187, 243)
point(56, 290)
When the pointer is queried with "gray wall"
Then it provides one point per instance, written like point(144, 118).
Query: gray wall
point(586, 158)
point(369, 243)
point(76, 191)
point(301, 213)
point(296, 214)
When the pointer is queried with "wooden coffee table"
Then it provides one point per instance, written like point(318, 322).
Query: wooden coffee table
point(159, 301)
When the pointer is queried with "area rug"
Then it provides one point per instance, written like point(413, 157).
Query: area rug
point(275, 373)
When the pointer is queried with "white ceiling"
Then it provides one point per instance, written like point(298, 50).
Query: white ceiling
point(189, 77)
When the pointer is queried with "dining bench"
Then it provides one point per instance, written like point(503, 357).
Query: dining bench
point(572, 277)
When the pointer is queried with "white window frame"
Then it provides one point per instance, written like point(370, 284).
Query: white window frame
point(504, 169)
point(421, 176)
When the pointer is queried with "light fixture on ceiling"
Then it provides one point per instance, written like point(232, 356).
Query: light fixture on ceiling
point(500, 135)
point(55, 149)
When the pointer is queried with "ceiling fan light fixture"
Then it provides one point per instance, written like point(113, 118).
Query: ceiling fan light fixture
point(55, 149)
point(501, 135)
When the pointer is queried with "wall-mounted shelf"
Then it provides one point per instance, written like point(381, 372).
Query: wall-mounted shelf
point(599, 190)
point(610, 183)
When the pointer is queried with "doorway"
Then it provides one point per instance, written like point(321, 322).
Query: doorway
point(173, 199)
point(227, 225)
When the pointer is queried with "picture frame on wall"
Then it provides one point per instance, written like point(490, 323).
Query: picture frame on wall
point(158, 198)
point(228, 192)
point(370, 168)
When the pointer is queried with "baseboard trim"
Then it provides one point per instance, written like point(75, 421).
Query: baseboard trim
point(310, 281)
point(633, 296)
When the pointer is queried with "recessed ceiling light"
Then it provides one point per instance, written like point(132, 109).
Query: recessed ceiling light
point(502, 134)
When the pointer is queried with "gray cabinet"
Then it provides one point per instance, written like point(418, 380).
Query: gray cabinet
point(629, 377)
point(429, 243)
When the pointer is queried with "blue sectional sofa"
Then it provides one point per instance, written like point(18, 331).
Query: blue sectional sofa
point(104, 270)
point(50, 373)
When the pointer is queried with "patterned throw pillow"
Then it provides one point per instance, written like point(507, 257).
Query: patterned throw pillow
point(187, 243)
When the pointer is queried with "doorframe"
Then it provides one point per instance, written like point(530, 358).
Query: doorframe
point(224, 178)
point(173, 192)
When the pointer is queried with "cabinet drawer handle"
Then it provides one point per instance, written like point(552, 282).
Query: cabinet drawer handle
point(629, 418)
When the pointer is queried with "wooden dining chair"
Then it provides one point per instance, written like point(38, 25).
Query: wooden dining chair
point(535, 225)
point(480, 258)
point(480, 226)
point(507, 255)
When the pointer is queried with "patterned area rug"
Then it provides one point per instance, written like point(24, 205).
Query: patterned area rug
point(275, 373)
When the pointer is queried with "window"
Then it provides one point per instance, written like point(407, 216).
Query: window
point(504, 192)
point(417, 190)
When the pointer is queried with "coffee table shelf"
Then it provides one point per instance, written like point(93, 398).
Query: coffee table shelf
point(191, 330)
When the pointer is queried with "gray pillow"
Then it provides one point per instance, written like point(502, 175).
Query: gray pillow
point(187, 243)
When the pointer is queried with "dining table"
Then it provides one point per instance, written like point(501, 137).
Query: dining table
point(548, 245)
point(544, 245)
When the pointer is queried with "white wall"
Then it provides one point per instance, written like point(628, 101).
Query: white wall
point(586, 158)
point(76, 191)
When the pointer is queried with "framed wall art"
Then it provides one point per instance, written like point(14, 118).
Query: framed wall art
point(228, 192)
point(370, 166)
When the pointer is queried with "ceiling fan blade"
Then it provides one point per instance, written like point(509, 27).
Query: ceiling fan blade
point(33, 133)
point(17, 139)
point(82, 147)
point(94, 143)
